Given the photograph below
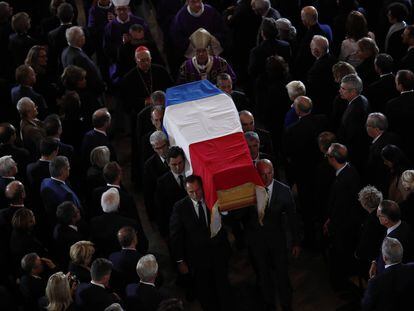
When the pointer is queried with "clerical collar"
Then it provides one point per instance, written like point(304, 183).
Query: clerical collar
point(341, 169)
point(198, 14)
point(123, 22)
point(59, 180)
point(99, 131)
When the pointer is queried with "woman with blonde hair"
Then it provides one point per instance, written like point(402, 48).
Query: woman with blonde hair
point(81, 254)
point(59, 292)
point(407, 206)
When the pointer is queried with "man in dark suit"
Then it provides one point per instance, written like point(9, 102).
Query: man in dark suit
point(8, 171)
point(31, 128)
point(267, 241)
point(302, 152)
point(54, 190)
point(125, 261)
point(155, 167)
point(101, 121)
point(96, 295)
point(320, 85)
point(53, 128)
point(376, 173)
point(144, 295)
point(104, 228)
point(74, 55)
point(389, 215)
point(240, 99)
point(269, 46)
point(196, 252)
point(253, 142)
point(8, 147)
point(381, 91)
point(248, 125)
point(397, 14)
point(393, 289)
point(400, 111)
point(344, 219)
point(170, 188)
point(352, 131)
point(407, 62)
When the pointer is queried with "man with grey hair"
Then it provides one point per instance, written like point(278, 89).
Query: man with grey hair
point(352, 131)
point(54, 190)
point(8, 171)
point(264, 8)
point(376, 173)
point(145, 295)
point(74, 55)
point(15, 194)
point(393, 289)
point(320, 82)
point(154, 167)
point(31, 129)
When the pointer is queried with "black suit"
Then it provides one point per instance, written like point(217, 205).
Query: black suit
point(320, 84)
point(75, 56)
point(392, 290)
point(407, 62)
point(168, 192)
point(57, 43)
point(19, 46)
point(366, 71)
point(396, 48)
point(82, 274)
point(380, 92)
point(376, 173)
point(94, 139)
point(93, 297)
point(407, 211)
point(125, 263)
point(104, 231)
point(64, 237)
point(268, 245)
point(206, 256)
point(241, 101)
point(266, 142)
point(400, 113)
point(153, 169)
point(352, 132)
point(32, 288)
point(36, 172)
point(143, 297)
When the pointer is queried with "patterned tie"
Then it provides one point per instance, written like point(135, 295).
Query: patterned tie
point(201, 215)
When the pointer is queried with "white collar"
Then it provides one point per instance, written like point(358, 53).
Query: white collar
point(129, 248)
point(74, 227)
point(147, 283)
point(391, 229)
point(403, 92)
point(386, 74)
point(392, 264)
point(115, 186)
point(99, 131)
point(376, 138)
point(121, 22)
point(59, 180)
point(98, 284)
point(43, 160)
point(196, 14)
point(341, 169)
point(9, 177)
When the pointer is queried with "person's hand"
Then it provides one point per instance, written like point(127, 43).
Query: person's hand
point(48, 263)
point(183, 268)
point(372, 270)
point(325, 227)
point(296, 251)
point(110, 16)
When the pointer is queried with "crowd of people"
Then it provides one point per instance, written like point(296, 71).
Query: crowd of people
point(325, 94)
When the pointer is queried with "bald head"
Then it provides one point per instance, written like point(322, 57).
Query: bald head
point(303, 105)
point(309, 16)
point(15, 192)
point(319, 46)
point(265, 169)
point(101, 119)
point(246, 120)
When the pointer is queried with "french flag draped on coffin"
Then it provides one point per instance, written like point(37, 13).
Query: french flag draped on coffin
point(204, 121)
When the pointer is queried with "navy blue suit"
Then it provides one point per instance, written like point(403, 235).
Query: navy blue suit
point(125, 262)
point(94, 139)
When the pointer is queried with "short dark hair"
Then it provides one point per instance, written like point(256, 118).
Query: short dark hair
point(384, 62)
point(406, 79)
point(48, 145)
point(28, 262)
point(174, 152)
point(52, 124)
point(21, 73)
point(391, 210)
point(126, 235)
point(340, 157)
point(65, 12)
point(65, 212)
point(111, 171)
point(194, 178)
point(398, 10)
point(136, 27)
point(100, 268)
point(7, 130)
point(269, 28)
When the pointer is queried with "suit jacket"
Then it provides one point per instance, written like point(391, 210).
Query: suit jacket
point(391, 290)
point(376, 173)
point(396, 48)
point(352, 132)
point(344, 211)
point(273, 232)
point(143, 297)
point(400, 113)
point(167, 193)
point(266, 143)
point(66, 150)
point(94, 139)
point(57, 43)
point(320, 85)
point(81, 273)
point(407, 62)
point(64, 237)
point(75, 56)
point(32, 289)
point(153, 169)
point(380, 92)
point(22, 243)
point(31, 133)
point(93, 297)
point(366, 71)
point(19, 45)
point(125, 263)
point(191, 241)
point(104, 230)
point(21, 91)
point(36, 172)
point(20, 155)
point(241, 101)
point(407, 212)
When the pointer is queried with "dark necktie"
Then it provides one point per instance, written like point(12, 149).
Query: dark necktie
point(201, 215)
point(181, 177)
